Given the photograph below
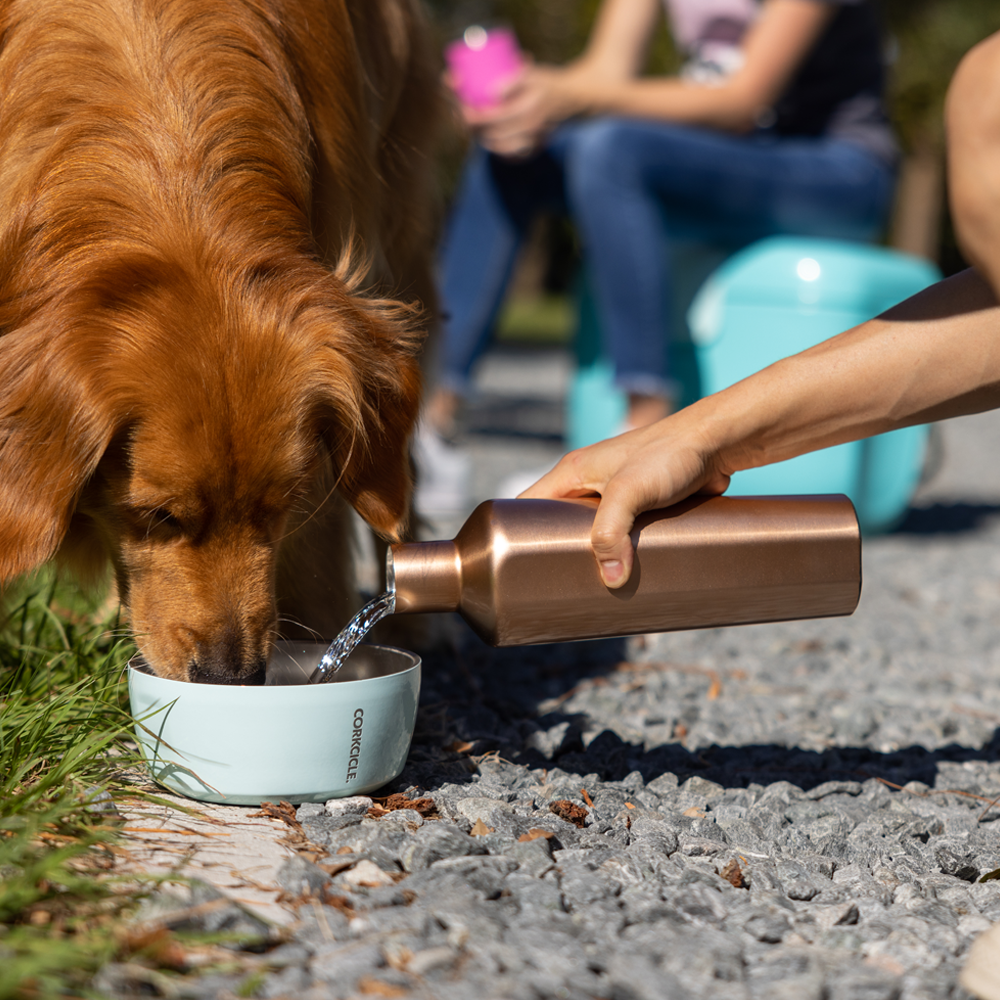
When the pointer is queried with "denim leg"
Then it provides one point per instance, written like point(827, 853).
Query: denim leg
point(743, 188)
point(632, 185)
point(624, 246)
point(497, 201)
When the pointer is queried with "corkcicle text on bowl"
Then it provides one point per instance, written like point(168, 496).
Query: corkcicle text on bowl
point(352, 762)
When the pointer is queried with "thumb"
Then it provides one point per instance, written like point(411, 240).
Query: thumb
point(610, 540)
point(513, 82)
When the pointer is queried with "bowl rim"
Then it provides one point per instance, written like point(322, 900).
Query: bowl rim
point(415, 664)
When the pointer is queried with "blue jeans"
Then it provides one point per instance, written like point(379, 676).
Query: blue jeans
point(630, 186)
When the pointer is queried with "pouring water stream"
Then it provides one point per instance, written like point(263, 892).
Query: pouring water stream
point(355, 630)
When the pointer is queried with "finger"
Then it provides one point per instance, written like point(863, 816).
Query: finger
point(518, 149)
point(499, 139)
point(512, 145)
point(626, 495)
point(478, 117)
point(494, 132)
point(715, 484)
point(507, 88)
point(506, 148)
point(574, 475)
point(502, 141)
point(504, 119)
point(610, 539)
point(529, 143)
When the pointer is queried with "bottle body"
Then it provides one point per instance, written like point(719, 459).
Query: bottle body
point(523, 571)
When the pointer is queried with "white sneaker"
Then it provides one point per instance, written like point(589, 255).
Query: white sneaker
point(443, 473)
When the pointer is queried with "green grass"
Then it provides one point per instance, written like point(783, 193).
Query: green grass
point(64, 736)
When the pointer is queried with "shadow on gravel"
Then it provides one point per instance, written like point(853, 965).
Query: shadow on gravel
point(946, 519)
point(764, 764)
point(480, 701)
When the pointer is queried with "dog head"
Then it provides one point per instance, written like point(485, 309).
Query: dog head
point(176, 428)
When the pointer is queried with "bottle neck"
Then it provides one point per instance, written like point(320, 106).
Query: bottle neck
point(428, 576)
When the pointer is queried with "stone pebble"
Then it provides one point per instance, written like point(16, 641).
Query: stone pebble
point(848, 888)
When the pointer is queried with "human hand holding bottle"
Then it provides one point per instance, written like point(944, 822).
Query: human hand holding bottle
point(510, 102)
point(645, 469)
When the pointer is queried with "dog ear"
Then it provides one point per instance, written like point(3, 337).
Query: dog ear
point(52, 436)
point(371, 389)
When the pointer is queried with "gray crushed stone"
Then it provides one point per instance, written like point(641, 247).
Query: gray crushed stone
point(799, 811)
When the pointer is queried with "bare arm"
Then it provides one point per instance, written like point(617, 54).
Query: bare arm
point(603, 81)
point(620, 38)
point(972, 118)
point(774, 47)
point(934, 356)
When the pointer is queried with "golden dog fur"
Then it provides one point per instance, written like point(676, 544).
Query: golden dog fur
point(195, 369)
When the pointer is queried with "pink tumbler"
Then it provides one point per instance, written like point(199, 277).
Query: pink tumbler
point(481, 62)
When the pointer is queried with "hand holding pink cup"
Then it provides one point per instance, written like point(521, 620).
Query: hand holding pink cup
point(481, 62)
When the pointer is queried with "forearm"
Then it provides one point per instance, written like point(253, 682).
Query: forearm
point(670, 100)
point(972, 117)
point(773, 50)
point(935, 356)
point(619, 40)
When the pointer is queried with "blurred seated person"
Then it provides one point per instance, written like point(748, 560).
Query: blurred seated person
point(776, 125)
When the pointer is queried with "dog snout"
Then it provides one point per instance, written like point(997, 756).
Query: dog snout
point(211, 673)
point(224, 662)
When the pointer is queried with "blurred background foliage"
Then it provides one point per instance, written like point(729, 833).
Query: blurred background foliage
point(925, 39)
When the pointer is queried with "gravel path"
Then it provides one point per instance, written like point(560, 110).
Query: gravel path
point(798, 810)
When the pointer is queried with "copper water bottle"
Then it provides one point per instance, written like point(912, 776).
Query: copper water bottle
point(523, 571)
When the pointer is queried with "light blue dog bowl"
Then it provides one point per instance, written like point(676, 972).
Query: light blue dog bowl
point(287, 740)
point(776, 298)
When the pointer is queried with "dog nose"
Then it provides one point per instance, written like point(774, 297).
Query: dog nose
point(219, 664)
point(210, 673)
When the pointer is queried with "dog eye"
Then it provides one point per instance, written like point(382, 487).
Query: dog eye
point(167, 520)
point(161, 520)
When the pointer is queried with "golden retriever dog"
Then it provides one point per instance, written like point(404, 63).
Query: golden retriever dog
point(205, 208)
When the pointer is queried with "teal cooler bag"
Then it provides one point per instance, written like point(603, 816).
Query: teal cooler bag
point(781, 296)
